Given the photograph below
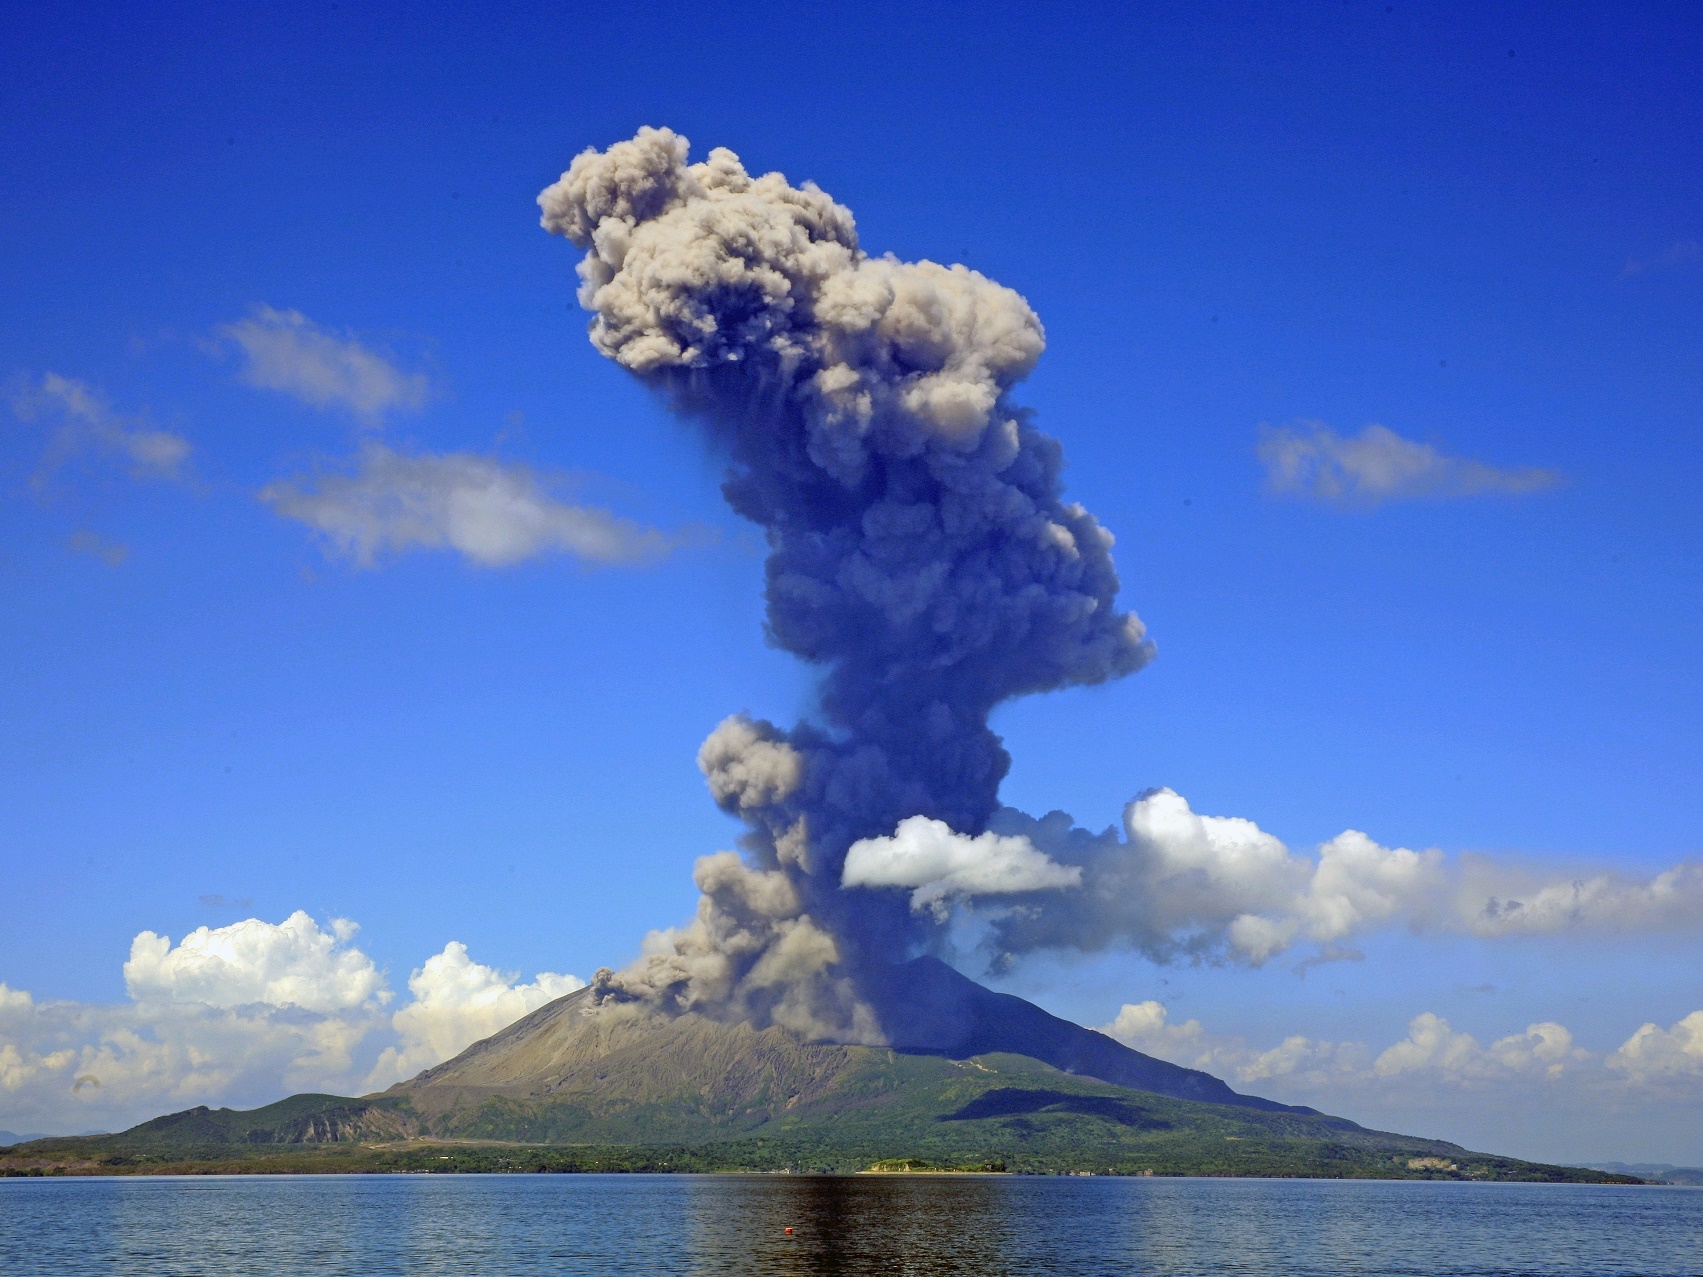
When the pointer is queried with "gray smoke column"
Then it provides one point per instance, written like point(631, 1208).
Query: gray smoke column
point(920, 552)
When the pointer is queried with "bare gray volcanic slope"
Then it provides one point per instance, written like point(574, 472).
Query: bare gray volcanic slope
point(631, 1055)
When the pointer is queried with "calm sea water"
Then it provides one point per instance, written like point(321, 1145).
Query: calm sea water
point(494, 1226)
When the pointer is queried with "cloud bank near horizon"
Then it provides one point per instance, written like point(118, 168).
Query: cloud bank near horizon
point(245, 1013)
point(1439, 1071)
point(242, 1015)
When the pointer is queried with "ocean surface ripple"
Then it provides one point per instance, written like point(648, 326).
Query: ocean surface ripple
point(498, 1225)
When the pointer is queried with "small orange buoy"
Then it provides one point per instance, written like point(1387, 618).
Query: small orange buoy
point(789, 1232)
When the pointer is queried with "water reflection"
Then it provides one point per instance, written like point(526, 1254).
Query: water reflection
point(859, 1224)
point(923, 1226)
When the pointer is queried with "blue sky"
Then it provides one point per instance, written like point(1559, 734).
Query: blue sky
point(1476, 228)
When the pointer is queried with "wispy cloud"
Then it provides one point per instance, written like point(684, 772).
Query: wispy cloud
point(1377, 466)
point(96, 546)
point(83, 421)
point(284, 350)
point(493, 514)
point(1685, 252)
point(218, 900)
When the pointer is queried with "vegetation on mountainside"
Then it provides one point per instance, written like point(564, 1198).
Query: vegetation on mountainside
point(887, 1109)
point(92, 1156)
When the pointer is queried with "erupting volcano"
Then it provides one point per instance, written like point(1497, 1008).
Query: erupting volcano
point(920, 554)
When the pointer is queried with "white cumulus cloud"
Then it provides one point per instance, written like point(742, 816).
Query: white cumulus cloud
point(289, 964)
point(1377, 466)
point(493, 514)
point(1654, 1053)
point(1147, 1027)
point(243, 1015)
point(286, 351)
point(1180, 883)
point(240, 1014)
point(1433, 1046)
point(930, 856)
point(1217, 865)
point(1184, 883)
point(458, 1001)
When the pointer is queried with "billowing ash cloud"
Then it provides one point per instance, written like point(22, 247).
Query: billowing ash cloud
point(920, 551)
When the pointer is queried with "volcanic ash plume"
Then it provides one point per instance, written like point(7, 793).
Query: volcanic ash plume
point(920, 553)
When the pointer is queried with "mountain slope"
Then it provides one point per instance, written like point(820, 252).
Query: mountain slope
point(928, 1006)
point(975, 1078)
point(690, 1070)
point(989, 1112)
